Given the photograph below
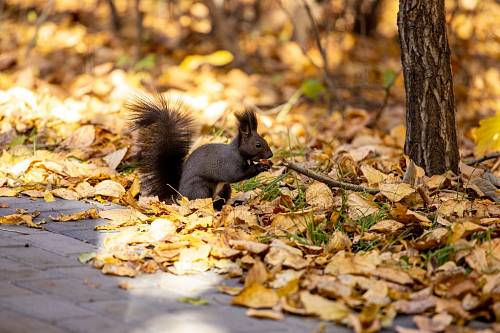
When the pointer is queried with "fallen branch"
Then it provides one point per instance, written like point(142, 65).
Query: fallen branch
point(327, 180)
point(483, 159)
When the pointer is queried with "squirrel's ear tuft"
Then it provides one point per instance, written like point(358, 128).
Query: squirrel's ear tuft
point(247, 120)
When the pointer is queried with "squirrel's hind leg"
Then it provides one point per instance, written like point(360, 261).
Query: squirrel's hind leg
point(222, 194)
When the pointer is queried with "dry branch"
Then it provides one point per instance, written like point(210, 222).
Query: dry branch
point(483, 159)
point(327, 180)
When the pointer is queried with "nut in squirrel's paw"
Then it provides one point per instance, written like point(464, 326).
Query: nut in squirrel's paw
point(265, 164)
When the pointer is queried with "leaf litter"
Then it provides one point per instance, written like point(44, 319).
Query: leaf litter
point(425, 246)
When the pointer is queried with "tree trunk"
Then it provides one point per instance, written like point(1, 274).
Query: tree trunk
point(431, 139)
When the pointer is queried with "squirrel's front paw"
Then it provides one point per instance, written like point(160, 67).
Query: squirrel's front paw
point(264, 165)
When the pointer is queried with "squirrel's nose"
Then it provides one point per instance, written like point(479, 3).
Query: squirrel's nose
point(269, 154)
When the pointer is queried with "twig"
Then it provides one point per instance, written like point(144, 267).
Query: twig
point(484, 158)
point(225, 32)
point(115, 18)
point(324, 55)
point(327, 180)
point(41, 19)
point(387, 89)
point(139, 27)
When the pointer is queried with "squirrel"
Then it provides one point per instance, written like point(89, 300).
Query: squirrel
point(165, 135)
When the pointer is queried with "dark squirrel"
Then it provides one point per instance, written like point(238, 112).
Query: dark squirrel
point(165, 135)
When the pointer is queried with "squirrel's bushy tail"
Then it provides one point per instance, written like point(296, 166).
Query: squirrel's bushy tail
point(165, 134)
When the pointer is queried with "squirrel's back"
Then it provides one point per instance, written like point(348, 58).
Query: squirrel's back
point(165, 135)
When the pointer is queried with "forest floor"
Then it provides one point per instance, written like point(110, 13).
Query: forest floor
point(46, 289)
point(394, 243)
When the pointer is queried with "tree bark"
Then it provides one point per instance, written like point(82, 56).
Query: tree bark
point(431, 139)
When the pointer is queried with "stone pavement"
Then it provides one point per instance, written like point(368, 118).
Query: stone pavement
point(44, 289)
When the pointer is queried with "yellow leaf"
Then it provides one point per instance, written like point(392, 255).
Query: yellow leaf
point(88, 214)
point(8, 192)
point(218, 58)
point(256, 296)
point(488, 135)
point(48, 197)
point(322, 307)
point(119, 270)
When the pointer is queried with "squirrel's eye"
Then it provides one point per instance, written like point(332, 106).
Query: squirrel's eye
point(258, 145)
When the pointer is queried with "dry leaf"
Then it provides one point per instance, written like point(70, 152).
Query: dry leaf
point(83, 137)
point(109, 188)
point(396, 192)
point(265, 314)
point(66, 194)
point(256, 296)
point(372, 175)
point(115, 158)
point(320, 196)
point(87, 214)
point(249, 246)
point(323, 308)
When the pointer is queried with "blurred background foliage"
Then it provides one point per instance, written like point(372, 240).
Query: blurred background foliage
point(311, 56)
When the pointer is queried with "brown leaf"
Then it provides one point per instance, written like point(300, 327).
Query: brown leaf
point(393, 274)
point(81, 138)
point(372, 175)
point(387, 226)
point(396, 192)
point(249, 246)
point(414, 306)
point(320, 196)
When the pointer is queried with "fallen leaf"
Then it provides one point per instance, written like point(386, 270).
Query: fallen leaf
point(323, 308)
point(87, 214)
point(109, 188)
point(320, 196)
point(396, 192)
point(265, 314)
point(66, 194)
point(249, 246)
point(193, 300)
point(256, 296)
point(114, 159)
point(372, 175)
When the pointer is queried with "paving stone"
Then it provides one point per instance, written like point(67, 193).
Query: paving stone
point(87, 224)
point(137, 307)
point(72, 289)
point(216, 320)
point(11, 270)
point(89, 236)
point(44, 307)
point(58, 205)
point(94, 324)
point(14, 322)
point(14, 230)
point(38, 258)
point(5, 241)
point(9, 289)
point(58, 244)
